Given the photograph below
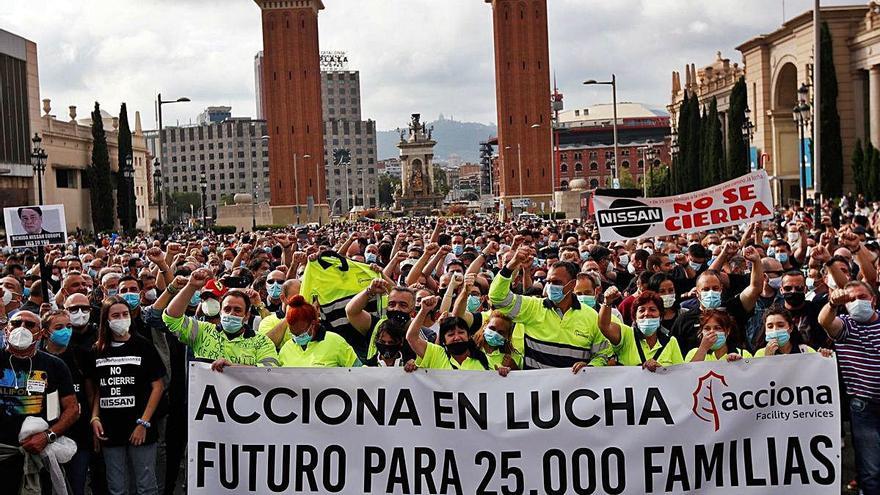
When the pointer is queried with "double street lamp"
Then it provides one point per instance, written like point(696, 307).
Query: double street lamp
point(748, 130)
point(802, 118)
point(613, 84)
point(38, 161)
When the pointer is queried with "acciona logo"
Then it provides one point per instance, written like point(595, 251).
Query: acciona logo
point(705, 407)
point(780, 402)
point(629, 217)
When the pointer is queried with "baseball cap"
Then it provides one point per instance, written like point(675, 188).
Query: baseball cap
point(215, 288)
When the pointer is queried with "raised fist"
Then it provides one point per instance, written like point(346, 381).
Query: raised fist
point(199, 278)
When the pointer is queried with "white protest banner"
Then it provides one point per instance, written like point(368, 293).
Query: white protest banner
point(742, 200)
point(752, 426)
point(35, 225)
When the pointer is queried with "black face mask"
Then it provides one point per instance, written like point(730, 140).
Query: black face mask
point(458, 348)
point(794, 299)
point(398, 317)
point(388, 351)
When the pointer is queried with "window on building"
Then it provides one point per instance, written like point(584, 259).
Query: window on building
point(578, 167)
point(625, 163)
point(65, 178)
point(564, 185)
point(594, 183)
point(642, 162)
point(563, 168)
point(594, 166)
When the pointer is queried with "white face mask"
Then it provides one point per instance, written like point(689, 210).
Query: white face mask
point(210, 307)
point(20, 339)
point(79, 318)
point(150, 295)
point(120, 326)
point(7, 297)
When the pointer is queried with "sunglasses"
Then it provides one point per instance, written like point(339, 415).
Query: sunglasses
point(30, 325)
point(84, 309)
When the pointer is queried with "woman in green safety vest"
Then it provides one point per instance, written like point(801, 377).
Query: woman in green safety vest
point(495, 339)
point(646, 343)
point(456, 351)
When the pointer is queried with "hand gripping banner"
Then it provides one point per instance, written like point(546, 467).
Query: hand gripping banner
point(754, 426)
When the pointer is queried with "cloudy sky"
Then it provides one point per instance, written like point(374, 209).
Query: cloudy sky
point(427, 56)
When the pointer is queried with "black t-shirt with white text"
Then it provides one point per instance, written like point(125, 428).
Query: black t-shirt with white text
point(123, 374)
point(30, 387)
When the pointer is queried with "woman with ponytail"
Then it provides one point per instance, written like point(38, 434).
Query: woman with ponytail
point(311, 346)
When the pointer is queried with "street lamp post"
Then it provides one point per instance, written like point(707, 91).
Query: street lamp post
point(38, 161)
point(649, 154)
point(204, 185)
point(748, 133)
point(157, 184)
point(613, 84)
point(262, 139)
point(801, 115)
point(159, 103)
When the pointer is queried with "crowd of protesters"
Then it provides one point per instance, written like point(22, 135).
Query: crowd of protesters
point(102, 360)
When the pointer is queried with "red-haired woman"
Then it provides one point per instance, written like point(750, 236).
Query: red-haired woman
point(126, 375)
point(311, 346)
point(716, 328)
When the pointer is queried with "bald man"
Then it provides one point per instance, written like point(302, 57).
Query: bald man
point(83, 318)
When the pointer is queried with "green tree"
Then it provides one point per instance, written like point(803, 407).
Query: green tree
point(859, 167)
point(387, 186)
point(690, 148)
point(658, 178)
point(737, 159)
point(441, 183)
point(126, 207)
point(98, 175)
point(712, 166)
point(626, 179)
point(678, 173)
point(178, 204)
point(831, 153)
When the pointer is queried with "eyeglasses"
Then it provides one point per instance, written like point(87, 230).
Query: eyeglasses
point(84, 309)
point(30, 325)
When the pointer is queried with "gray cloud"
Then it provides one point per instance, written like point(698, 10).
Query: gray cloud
point(427, 56)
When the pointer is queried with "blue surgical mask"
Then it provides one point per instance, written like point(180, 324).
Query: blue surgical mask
point(112, 292)
point(370, 257)
point(303, 338)
point(648, 326)
point(556, 293)
point(473, 303)
point(93, 273)
point(781, 337)
point(133, 299)
point(26, 293)
point(720, 340)
point(771, 252)
point(231, 323)
point(710, 299)
point(194, 300)
point(493, 338)
point(782, 258)
point(811, 283)
point(61, 336)
point(273, 290)
point(587, 300)
point(585, 255)
point(766, 240)
point(694, 266)
point(457, 249)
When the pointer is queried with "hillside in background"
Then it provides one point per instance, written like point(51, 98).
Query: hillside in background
point(452, 136)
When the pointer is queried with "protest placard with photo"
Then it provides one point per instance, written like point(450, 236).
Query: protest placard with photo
point(29, 226)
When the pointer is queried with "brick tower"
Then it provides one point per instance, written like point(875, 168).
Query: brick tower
point(522, 91)
point(294, 117)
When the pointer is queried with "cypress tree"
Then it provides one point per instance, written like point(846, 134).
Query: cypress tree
point(832, 147)
point(99, 175)
point(737, 159)
point(126, 206)
point(858, 167)
point(695, 145)
point(713, 150)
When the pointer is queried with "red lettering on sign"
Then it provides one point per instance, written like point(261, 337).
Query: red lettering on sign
point(737, 212)
point(680, 207)
point(759, 209)
point(701, 219)
point(704, 202)
point(719, 216)
point(747, 192)
point(672, 225)
point(729, 196)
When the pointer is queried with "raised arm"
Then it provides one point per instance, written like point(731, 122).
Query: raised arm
point(156, 255)
point(609, 329)
point(459, 309)
point(729, 251)
point(419, 268)
point(178, 305)
point(828, 316)
point(414, 332)
point(750, 294)
point(454, 283)
point(356, 311)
